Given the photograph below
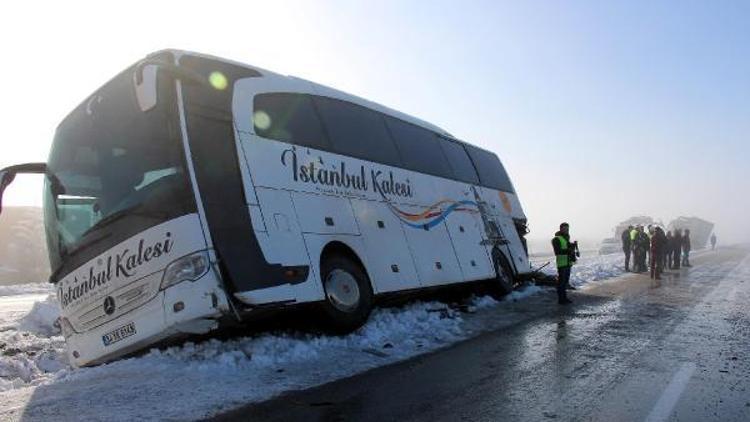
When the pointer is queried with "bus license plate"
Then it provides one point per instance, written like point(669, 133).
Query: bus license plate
point(119, 334)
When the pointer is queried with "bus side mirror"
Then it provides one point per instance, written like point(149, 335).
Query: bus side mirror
point(8, 174)
point(145, 80)
point(6, 178)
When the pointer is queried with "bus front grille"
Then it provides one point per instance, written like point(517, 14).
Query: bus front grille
point(126, 298)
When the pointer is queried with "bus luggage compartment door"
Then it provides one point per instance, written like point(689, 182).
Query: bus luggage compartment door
point(389, 261)
point(467, 232)
point(432, 250)
point(324, 214)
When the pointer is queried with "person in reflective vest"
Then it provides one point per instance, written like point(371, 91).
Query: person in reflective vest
point(565, 257)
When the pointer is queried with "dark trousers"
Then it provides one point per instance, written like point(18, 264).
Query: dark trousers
point(640, 260)
point(686, 258)
point(627, 259)
point(676, 259)
point(563, 278)
point(656, 265)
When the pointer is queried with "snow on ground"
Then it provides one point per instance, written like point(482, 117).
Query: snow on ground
point(31, 348)
point(28, 288)
point(588, 269)
point(196, 380)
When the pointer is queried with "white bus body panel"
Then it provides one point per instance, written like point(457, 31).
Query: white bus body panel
point(281, 242)
point(452, 250)
point(385, 247)
point(324, 214)
point(466, 232)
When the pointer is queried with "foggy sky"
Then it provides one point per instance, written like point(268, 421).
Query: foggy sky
point(598, 111)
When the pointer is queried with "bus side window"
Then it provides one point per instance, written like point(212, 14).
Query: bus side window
point(357, 131)
point(460, 161)
point(420, 149)
point(492, 174)
point(289, 118)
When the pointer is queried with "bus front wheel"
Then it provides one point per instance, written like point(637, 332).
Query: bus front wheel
point(348, 295)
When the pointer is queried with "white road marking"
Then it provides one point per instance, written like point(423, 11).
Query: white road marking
point(663, 408)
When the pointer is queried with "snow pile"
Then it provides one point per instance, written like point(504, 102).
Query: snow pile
point(29, 360)
point(591, 268)
point(28, 288)
point(42, 319)
point(31, 348)
point(390, 332)
point(597, 268)
point(484, 302)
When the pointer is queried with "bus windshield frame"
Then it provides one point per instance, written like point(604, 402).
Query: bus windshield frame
point(117, 170)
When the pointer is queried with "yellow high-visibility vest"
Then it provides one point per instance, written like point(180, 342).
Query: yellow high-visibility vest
point(563, 260)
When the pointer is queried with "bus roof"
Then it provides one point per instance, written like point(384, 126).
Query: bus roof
point(324, 90)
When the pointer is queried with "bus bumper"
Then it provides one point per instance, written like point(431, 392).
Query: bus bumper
point(190, 307)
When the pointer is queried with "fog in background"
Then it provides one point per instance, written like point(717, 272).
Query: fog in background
point(599, 110)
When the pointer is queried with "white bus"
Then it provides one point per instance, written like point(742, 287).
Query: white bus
point(191, 190)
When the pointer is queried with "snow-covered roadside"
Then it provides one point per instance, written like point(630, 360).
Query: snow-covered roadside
point(31, 347)
point(196, 380)
point(27, 288)
point(588, 269)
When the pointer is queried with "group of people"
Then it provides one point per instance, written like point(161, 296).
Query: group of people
point(650, 245)
point(659, 249)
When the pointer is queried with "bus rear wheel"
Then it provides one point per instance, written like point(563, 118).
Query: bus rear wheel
point(502, 284)
point(348, 295)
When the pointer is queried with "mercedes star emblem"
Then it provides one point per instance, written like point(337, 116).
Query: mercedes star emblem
point(109, 305)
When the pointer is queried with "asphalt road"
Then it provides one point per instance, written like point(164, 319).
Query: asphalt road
point(631, 349)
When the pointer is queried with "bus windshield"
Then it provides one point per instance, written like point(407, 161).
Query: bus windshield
point(115, 171)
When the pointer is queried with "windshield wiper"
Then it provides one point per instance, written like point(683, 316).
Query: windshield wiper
point(117, 215)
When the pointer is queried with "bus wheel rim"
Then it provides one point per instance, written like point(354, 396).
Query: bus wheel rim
point(502, 276)
point(342, 290)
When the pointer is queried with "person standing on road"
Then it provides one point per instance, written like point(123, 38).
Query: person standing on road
point(668, 246)
point(626, 246)
point(658, 243)
point(686, 248)
point(564, 257)
point(650, 234)
point(642, 244)
point(677, 249)
point(713, 241)
point(665, 250)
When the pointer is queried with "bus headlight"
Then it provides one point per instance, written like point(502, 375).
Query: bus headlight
point(190, 267)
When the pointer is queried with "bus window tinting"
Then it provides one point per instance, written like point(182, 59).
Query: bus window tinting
point(491, 172)
point(463, 169)
point(288, 118)
point(356, 131)
point(420, 149)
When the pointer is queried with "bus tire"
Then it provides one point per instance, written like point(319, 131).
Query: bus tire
point(502, 284)
point(348, 294)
